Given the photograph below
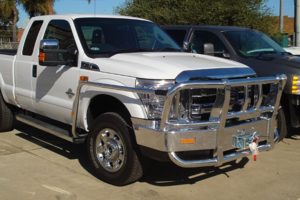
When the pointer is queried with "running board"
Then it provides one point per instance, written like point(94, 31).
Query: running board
point(49, 128)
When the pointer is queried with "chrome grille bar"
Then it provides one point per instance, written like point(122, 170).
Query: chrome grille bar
point(246, 98)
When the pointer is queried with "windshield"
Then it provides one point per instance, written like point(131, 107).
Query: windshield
point(104, 37)
point(250, 43)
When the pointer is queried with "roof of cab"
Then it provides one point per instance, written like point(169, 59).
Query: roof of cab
point(211, 27)
point(76, 16)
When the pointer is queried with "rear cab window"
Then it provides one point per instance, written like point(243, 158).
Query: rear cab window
point(32, 37)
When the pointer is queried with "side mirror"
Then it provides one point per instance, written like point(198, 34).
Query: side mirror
point(49, 44)
point(51, 55)
point(186, 47)
point(209, 49)
point(226, 55)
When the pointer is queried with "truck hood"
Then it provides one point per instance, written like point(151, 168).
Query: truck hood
point(167, 65)
point(284, 60)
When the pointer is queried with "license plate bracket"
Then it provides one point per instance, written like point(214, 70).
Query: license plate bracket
point(242, 140)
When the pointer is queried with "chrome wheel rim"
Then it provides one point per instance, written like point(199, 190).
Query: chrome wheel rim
point(110, 150)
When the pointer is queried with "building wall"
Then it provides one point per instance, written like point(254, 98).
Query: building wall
point(288, 24)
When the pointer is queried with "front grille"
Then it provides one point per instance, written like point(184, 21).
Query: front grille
point(197, 104)
point(238, 97)
point(202, 101)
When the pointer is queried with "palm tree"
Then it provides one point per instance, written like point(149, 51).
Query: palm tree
point(9, 12)
point(38, 7)
point(9, 15)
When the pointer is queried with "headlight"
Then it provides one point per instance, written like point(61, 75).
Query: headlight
point(296, 85)
point(154, 104)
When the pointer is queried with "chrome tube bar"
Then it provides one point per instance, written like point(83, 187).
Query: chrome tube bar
point(218, 116)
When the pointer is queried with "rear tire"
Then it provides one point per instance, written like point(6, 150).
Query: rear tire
point(6, 116)
point(111, 150)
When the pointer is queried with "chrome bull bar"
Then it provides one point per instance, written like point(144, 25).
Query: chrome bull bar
point(220, 114)
point(216, 123)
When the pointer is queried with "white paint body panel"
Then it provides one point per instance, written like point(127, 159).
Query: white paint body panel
point(46, 94)
point(293, 50)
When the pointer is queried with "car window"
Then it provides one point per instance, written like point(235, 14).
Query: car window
point(61, 30)
point(31, 38)
point(102, 37)
point(202, 38)
point(177, 35)
point(249, 43)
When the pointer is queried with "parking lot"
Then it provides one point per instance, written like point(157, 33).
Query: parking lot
point(35, 165)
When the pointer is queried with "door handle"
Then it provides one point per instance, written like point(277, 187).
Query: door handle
point(34, 68)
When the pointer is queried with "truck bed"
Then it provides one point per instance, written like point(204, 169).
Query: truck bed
point(10, 52)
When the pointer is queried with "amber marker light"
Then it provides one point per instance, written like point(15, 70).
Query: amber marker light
point(84, 78)
point(296, 85)
point(42, 57)
point(188, 141)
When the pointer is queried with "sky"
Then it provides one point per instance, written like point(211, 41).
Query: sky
point(108, 6)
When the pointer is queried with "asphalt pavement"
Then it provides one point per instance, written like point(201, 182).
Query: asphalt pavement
point(35, 165)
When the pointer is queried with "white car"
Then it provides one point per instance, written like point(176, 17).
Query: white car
point(124, 87)
point(293, 50)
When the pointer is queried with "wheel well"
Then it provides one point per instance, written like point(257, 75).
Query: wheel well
point(105, 103)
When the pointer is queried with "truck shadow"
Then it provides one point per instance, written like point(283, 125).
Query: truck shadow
point(50, 142)
point(166, 174)
point(156, 173)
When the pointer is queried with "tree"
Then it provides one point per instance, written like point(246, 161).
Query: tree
point(38, 7)
point(248, 13)
point(9, 13)
point(9, 16)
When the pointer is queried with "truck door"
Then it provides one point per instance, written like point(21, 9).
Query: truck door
point(24, 65)
point(55, 86)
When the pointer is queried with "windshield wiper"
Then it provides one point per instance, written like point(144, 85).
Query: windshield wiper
point(263, 53)
point(130, 51)
point(166, 49)
point(286, 53)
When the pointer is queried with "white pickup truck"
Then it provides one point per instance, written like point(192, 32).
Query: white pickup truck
point(121, 85)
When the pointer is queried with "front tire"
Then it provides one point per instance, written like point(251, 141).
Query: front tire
point(281, 132)
point(112, 152)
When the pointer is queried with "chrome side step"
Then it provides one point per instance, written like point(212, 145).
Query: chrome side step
point(44, 126)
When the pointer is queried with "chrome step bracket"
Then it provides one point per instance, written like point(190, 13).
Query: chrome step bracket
point(44, 126)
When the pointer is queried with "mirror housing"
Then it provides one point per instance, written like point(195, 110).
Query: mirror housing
point(186, 47)
point(51, 55)
point(209, 49)
point(226, 55)
point(49, 44)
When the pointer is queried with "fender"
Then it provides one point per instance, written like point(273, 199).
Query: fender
point(130, 100)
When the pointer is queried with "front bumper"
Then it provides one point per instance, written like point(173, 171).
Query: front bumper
point(215, 134)
point(170, 142)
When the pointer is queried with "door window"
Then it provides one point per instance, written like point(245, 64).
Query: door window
point(202, 38)
point(61, 30)
point(177, 35)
